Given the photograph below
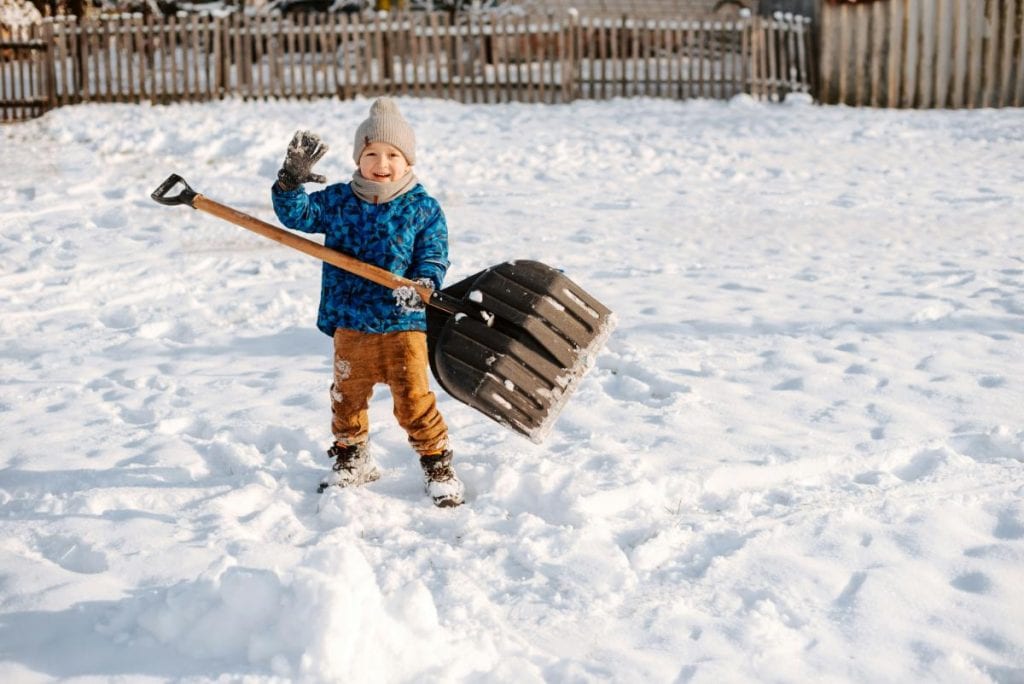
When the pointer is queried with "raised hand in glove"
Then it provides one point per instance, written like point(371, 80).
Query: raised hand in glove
point(408, 299)
point(304, 151)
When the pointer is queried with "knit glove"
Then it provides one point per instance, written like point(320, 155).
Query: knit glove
point(408, 299)
point(304, 151)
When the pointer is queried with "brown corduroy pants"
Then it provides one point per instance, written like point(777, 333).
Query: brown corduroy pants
point(398, 360)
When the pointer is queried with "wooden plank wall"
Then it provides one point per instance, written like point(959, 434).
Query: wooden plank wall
point(923, 53)
point(469, 58)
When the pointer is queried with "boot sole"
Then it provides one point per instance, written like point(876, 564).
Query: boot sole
point(324, 485)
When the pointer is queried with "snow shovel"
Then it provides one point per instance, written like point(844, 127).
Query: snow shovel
point(513, 341)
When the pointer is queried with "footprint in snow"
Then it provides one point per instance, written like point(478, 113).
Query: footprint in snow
point(921, 465)
point(1009, 528)
point(737, 287)
point(791, 385)
point(111, 218)
point(74, 555)
point(1010, 525)
point(881, 419)
point(997, 444)
point(302, 399)
point(972, 582)
point(870, 477)
point(630, 382)
point(847, 598)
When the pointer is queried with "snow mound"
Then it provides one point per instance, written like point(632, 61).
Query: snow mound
point(326, 619)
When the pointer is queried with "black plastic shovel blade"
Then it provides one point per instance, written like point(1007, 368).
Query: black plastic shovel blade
point(525, 339)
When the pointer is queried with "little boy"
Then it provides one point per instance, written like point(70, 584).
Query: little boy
point(383, 217)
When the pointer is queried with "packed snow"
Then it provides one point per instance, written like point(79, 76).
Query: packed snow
point(797, 458)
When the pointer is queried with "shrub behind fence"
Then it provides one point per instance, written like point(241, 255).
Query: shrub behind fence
point(470, 58)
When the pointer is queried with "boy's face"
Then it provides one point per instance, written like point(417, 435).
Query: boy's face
point(382, 162)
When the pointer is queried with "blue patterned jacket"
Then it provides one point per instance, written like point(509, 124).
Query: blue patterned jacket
point(407, 236)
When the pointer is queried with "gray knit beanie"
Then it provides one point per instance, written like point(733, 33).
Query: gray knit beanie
point(385, 125)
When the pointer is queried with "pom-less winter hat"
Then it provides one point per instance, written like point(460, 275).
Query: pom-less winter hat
point(385, 125)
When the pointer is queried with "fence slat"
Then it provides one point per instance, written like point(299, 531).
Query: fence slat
point(911, 54)
point(129, 92)
point(990, 11)
point(195, 51)
point(340, 46)
point(307, 57)
point(398, 33)
point(302, 64)
point(253, 81)
point(80, 66)
point(943, 53)
point(500, 59)
point(180, 54)
point(1006, 63)
point(103, 67)
point(895, 53)
point(958, 45)
point(114, 49)
point(465, 60)
point(661, 50)
point(60, 61)
point(198, 51)
point(643, 62)
point(88, 62)
point(123, 90)
point(1018, 98)
point(8, 108)
point(976, 54)
point(926, 65)
point(17, 80)
point(551, 58)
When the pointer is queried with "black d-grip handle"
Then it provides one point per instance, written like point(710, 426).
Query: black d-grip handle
point(186, 196)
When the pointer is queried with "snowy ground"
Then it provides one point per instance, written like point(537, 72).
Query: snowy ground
point(798, 459)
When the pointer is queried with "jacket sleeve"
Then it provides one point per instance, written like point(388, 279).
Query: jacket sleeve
point(430, 254)
point(298, 210)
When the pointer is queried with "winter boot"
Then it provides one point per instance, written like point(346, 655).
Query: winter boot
point(443, 485)
point(353, 466)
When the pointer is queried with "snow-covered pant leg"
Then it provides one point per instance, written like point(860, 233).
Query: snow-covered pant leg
point(356, 370)
point(415, 405)
point(398, 359)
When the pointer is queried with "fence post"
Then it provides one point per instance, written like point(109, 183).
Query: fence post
point(49, 68)
point(565, 55)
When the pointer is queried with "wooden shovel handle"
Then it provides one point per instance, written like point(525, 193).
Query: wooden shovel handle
point(335, 258)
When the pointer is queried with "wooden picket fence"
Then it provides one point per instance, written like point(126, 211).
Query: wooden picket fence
point(923, 53)
point(469, 58)
point(25, 87)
